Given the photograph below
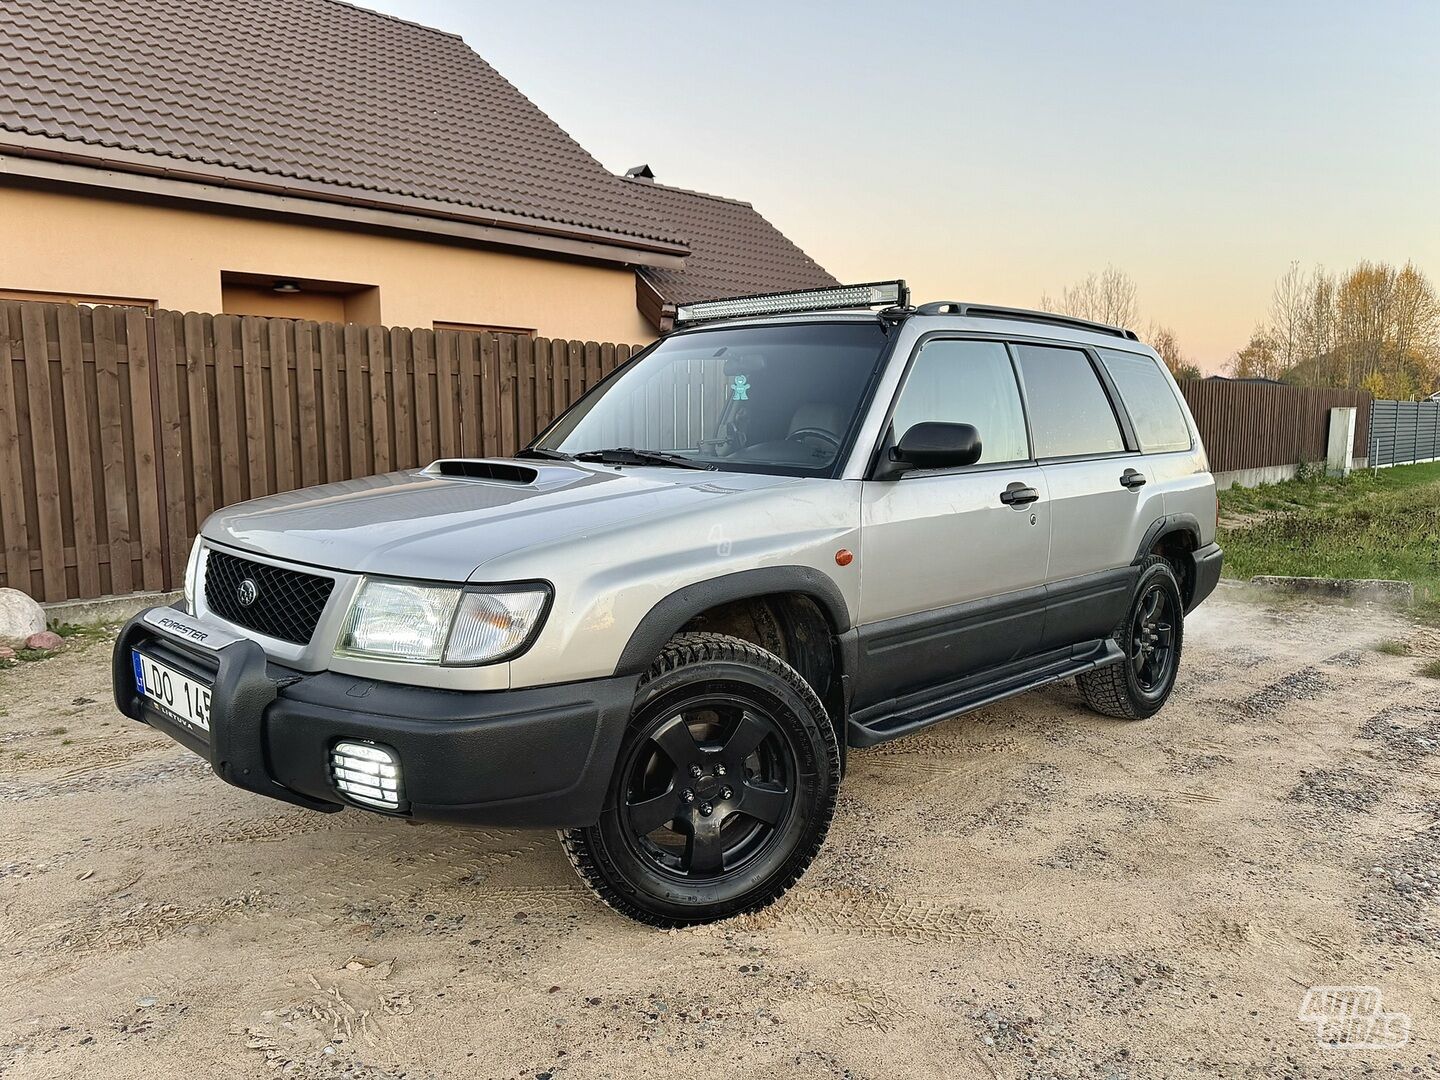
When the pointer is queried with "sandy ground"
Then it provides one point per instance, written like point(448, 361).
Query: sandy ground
point(1028, 891)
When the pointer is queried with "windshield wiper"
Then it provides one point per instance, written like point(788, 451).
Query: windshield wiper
point(544, 453)
point(625, 455)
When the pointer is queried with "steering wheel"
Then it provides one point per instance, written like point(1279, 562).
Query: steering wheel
point(815, 433)
point(734, 438)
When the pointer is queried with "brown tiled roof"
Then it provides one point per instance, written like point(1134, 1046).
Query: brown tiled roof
point(333, 99)
point(734, 251)
point(322, 98)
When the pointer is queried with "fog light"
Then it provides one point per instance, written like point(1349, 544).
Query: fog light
point(367, 773)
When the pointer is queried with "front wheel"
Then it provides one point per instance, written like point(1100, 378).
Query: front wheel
point(1151, 635)
point(723, 790)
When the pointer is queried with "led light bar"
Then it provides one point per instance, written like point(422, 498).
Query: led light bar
point(889, 293)
point(367, 773)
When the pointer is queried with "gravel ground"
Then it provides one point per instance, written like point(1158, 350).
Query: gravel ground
point(1029, 891)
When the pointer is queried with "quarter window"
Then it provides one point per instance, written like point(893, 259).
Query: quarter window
point(1069, 412)
point(966, 382)
point(1150, 400)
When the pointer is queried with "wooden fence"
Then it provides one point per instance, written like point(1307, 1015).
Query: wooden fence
point(121, 431)
point(1247, 425)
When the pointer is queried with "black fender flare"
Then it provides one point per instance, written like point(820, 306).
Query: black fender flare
point(1170, 523)
point(664, 620)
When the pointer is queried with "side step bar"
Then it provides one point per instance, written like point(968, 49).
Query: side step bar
point(915, 712)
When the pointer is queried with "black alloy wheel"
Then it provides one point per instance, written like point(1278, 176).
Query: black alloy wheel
point(723, 790)
point(1150, 635)
point(708, 787)
point(1152, 639)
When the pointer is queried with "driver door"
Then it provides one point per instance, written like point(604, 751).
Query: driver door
point(954, 561)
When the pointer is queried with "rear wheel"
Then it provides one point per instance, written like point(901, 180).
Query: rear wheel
point(723, 790)
point(1151, 635)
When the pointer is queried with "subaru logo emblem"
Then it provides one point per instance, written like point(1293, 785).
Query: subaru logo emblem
point(248, 592)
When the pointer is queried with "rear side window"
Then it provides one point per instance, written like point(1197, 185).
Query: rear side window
point(1149, 399)
point(1069, 412)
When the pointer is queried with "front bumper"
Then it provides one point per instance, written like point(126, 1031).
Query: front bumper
point(1205, 573)
point(535, 757)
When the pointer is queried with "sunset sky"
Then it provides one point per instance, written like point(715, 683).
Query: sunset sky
point(997, 151)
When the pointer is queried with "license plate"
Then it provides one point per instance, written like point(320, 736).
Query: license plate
point(177, 695)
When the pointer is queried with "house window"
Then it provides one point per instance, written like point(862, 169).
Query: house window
point(485, 328)
point(78, 299)
point(279, 297)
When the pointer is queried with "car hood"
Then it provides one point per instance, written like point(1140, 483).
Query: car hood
point(421, 525)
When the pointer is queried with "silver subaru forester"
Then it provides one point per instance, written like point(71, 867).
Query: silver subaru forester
point(797, 523)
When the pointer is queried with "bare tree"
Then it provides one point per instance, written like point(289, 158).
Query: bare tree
point(1163, 340)
point(1108, 297)
point(1289, 316)
point(1320, 329)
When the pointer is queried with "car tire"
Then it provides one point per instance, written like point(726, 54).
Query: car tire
point(723, 790)
point(1151, 635)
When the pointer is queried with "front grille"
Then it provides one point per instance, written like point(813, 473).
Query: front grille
point(284, 604)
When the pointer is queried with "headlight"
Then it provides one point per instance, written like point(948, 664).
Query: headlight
point(400, 622)
point(434, 624)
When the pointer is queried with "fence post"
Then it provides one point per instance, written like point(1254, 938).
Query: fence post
point(1341, 441)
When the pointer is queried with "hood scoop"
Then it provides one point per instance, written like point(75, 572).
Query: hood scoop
point(502, 472)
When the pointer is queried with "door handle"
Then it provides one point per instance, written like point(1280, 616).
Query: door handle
point(1132, 479)
point(1018, 494)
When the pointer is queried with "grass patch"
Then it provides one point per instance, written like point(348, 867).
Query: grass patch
point(1369, 525)
point(82, 631)
point(1431, 669)
point(1314, 491)
point(1393, 647)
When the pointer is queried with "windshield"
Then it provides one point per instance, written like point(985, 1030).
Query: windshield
point(753, 399)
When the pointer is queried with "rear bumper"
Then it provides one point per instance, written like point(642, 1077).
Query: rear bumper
point(1205, 565)
point(534, 757)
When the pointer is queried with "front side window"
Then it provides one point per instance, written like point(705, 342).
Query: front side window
point(751, 399)
point(966, 382)
point(1149, 399)
point(1070, 414)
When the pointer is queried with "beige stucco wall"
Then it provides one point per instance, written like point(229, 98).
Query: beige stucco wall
point(75, 244)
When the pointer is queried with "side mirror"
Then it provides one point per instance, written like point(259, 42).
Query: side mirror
point(935, 445)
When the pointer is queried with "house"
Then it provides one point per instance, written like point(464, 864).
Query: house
point(312, 159)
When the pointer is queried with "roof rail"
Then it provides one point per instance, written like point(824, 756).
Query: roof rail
point(990, 311)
